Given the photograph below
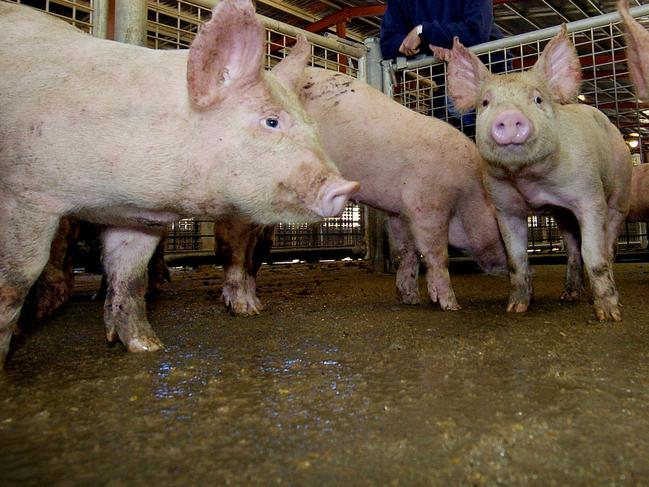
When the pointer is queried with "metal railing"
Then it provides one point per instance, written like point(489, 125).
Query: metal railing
point(172, 24)
point(77, 12)
point(420, 84)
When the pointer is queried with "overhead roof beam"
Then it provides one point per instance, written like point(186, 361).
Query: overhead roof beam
point(344, 15)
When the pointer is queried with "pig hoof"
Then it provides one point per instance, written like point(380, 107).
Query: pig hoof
point(517, 307)
point(570, 295)
point(143, 344)
point(613, 314)
point(409, 298)
point(243, 305)
point(451, 307)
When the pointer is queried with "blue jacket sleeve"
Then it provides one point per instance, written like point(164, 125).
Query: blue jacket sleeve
point(475, 27)
point(394, 29)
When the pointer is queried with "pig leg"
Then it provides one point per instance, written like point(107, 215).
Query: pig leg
point(615, 223)
point(511, 214)
point(430, 230)
point(569, 227)
point(513, 228)
point(54, 286)
point(598, 262)
point(125, 254)
point(408, 272)
point(235, 244)
point(24, 250)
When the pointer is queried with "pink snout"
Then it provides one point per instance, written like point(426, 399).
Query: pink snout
point(334, 197)
point(511, 127)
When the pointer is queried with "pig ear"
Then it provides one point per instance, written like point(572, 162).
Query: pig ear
point(466, 74)
point(290, 69)
point(559, 66)
point(226, 54)
point(637, 41)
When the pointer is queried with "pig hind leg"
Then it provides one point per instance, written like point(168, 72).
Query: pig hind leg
point(402, 243)
point(125, 255)
point(430, 231)
point(24, 250)
point(569, 227)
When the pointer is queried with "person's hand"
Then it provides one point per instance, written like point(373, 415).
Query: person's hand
point(410, 45)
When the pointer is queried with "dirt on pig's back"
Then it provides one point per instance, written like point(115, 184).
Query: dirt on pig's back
point(335, 383)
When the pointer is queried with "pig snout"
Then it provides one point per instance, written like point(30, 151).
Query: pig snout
point(334, 196)
point(511, 127)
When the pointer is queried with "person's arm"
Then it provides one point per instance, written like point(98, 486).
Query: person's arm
point(394, 29)
point(474, 28)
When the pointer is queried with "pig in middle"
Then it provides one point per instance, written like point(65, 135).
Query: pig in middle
point(424, 173)
point(546, 154)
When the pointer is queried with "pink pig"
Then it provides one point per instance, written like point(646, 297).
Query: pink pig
point(425, 174)
point(134, 138)
point(544, 153)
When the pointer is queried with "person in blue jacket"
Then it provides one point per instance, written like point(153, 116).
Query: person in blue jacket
point(409, 26)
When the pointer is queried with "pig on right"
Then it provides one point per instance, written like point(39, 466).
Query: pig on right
point(546, 154)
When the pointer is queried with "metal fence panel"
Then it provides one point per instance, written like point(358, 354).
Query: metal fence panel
point(77, 12)
point(421, 86)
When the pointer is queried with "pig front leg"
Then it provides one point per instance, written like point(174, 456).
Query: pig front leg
point(236, 243)
point(511, 214)
point(574, 285)
point(403, 245)
point(125, 255)
point(429, 228)
point(24, 251)
point(599, 261)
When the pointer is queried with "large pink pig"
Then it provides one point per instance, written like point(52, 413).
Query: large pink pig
point(545, 153)
point(423, 172)
point(135, 138)
point(637, 40)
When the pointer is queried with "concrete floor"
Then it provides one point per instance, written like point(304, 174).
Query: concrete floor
point(335, 384)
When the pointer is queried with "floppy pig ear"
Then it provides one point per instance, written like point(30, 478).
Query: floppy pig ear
point(637, 42)
point(466, 74)
point(559, 66)
point(226, 54)
point(290, 69)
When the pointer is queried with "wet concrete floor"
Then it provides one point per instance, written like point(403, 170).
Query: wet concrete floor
point(335, 384)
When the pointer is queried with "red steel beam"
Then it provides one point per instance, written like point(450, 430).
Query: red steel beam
point(344, 15)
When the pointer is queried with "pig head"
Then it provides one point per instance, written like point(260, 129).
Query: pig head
point(546, 154)
point(133, 138)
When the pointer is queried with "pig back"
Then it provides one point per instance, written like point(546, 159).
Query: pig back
point(74, 104)
point(386, 146)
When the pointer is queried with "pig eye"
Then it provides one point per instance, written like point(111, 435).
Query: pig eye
point(538, 100)
point(271, 122)
point(485, 103)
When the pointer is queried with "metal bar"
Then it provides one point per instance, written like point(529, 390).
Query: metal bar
point(356, 51)
point(529, 37)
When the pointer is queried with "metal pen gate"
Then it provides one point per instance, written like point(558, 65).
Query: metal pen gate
point(79, 13)
point(420, 85)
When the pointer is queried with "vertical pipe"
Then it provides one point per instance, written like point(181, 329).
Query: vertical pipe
point(130, 21)
point(375, 220)
point(100, 18)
